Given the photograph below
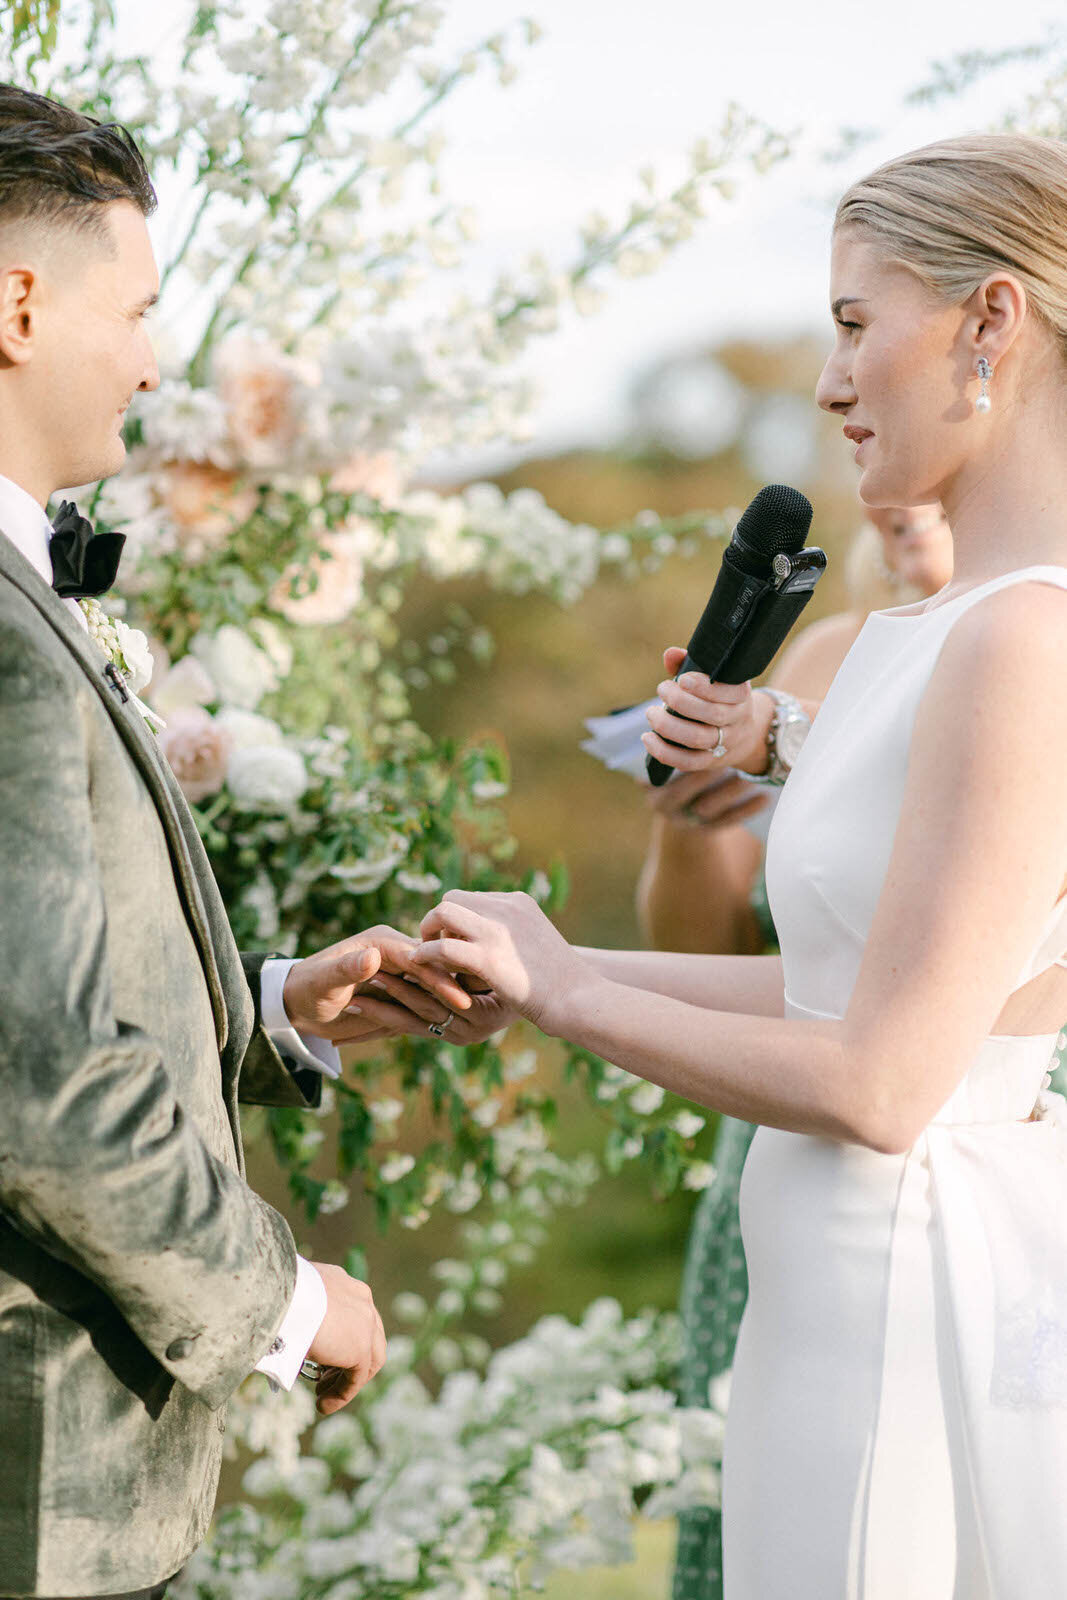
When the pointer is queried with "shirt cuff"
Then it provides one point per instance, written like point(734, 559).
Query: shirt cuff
point(300, 1324)
point(306, 1048)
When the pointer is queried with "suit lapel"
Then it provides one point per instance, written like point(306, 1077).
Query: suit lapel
point(145, 754)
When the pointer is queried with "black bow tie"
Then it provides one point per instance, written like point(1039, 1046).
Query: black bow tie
point(84, 563)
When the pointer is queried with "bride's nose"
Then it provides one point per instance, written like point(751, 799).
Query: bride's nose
point(834, 390)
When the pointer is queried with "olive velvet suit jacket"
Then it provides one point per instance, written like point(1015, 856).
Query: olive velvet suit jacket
point(141, 1279)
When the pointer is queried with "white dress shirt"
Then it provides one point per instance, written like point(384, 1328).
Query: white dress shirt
point(27, 526)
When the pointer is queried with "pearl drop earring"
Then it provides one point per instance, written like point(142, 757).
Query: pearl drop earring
point(985, 372)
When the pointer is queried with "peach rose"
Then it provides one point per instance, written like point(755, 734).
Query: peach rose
point(339, 588)
point(375, 475)
point(204, 503)
point(198, 751)
point(264, 393)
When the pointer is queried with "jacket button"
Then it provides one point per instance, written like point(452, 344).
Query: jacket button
point(179, 1349)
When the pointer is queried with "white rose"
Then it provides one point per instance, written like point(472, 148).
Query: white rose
point(242, 672)
point(701, 1175)
point(266, 775)
point(247, 728)
point(135, 654)
point(187, 684)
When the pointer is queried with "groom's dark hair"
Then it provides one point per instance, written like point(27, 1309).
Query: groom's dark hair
point(59, 168)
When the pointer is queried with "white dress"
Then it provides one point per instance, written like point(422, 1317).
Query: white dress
point(897, 1426)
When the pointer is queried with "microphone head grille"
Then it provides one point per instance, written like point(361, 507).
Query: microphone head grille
point(776, 521)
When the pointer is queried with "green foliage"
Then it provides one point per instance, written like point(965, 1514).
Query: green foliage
point(32, 23)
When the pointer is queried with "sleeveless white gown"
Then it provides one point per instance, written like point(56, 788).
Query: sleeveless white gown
point(897, 1426)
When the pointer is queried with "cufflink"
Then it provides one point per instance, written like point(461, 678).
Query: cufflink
point(277, 1347)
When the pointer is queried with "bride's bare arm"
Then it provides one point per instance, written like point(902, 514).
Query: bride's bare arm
point(715, 983)
point(976, 865)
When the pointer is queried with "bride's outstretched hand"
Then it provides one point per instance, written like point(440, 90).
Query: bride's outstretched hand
point(506, 944)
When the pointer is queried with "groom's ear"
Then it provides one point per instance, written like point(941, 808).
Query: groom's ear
point(19, 296)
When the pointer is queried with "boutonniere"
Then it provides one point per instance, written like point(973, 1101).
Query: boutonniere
point(127, 650)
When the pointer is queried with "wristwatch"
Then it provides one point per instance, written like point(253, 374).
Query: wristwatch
point(789, 728)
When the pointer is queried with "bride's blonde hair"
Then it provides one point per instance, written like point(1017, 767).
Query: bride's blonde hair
point(955, 211)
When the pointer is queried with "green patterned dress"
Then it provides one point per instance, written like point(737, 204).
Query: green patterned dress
point(714, 1291)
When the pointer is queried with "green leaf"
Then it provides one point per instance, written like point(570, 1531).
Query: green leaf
point(356, 1263)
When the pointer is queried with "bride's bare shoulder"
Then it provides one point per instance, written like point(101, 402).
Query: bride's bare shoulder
point(1025, 622)
point(1002, 667)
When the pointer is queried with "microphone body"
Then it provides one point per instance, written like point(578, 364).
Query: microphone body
point(765, 581)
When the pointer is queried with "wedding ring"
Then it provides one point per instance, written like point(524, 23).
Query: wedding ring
point(720, 748)
point(439, 1027)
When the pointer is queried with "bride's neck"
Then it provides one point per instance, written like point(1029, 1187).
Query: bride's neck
point(1008, 508)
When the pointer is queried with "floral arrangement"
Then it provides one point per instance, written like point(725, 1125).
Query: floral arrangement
point(279, 505)
point(277, 509)
point(502, 1478)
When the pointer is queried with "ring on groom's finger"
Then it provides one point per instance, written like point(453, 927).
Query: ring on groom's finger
point(439, 1027)
point(720, 748)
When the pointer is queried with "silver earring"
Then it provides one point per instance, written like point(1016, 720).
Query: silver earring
point(985, 372)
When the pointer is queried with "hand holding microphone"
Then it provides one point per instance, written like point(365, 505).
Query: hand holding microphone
point(765, 581)
point(693, 719)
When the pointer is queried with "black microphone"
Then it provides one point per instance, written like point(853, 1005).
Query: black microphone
point(765, 581)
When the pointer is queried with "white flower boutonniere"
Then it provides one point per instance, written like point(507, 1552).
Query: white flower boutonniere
point(127, 649)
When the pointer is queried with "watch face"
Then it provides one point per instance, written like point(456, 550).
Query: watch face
point(790, 737)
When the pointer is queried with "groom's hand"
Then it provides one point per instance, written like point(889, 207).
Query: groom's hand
point(350, 1343)
point(321, 997)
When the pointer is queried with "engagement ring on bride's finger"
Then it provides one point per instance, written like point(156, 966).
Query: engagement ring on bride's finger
point(720, 748)
point(439, 1027)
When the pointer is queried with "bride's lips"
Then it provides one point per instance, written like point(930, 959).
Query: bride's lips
point(858, 436)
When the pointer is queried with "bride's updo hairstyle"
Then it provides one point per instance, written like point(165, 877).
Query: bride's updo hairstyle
point(955, 211)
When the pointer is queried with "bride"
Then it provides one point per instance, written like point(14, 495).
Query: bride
point(898, 1419)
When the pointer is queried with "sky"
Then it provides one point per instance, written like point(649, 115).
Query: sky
point(616, 84)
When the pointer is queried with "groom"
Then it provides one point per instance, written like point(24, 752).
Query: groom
point(141, 1279)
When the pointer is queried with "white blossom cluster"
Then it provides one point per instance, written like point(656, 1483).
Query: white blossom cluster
point(235, 747)
point(308, 205)
point(528, 1468)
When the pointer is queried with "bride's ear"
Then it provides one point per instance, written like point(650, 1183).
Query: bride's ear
point(997, 313)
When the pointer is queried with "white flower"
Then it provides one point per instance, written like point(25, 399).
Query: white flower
point(188, 683)
point(266, 775)
point(646, 1098)
point(181, 423)
point(687, 1124)
point(520, 1066)
point(243, 672)
point(409, 1307)
point(364, 876)
point(395, 1168)
point(385, 1111)
point(419, 882)
point(247, 728)
point(136, 656)
point(700, 1175)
